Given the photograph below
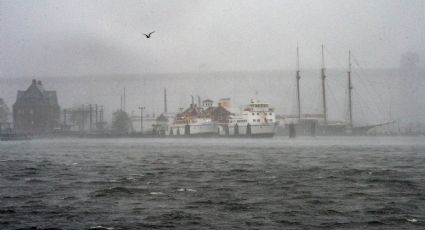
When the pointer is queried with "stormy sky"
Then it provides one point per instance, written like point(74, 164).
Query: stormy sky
point(89, 51)
point(78, 38)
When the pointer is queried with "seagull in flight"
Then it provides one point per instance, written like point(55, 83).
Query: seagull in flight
point(149, 35)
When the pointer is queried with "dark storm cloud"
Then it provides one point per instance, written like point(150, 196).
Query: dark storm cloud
point(90, 50)
point(99, 37)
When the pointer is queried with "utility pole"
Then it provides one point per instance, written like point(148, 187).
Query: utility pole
point(101, 113)
point(96, 113)
point(165, 100)
point(91, 116)
point(350, 88)
point(82, 117)
point(325, 110)
point(298, 77)
point(141, 119)
point(124, 100)
point(64, 118)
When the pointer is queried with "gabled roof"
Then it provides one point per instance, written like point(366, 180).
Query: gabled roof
point(192, 110)
point(37, 93)
point(210, 109)
point(217, 109)
point(222, 109)
point(162, 117)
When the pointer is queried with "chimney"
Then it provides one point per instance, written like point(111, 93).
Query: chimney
point(193, 102)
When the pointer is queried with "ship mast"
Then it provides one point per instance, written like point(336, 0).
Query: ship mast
point(350, 88)
point(298, 77)
point(325, 112)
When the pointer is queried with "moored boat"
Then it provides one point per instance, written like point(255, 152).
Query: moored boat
point(192, 127)
point(256, 119)
point(194, 121)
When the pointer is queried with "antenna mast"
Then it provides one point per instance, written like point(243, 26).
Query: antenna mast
point(165, 100)
point(298, 77)
point(121, 104)
point(124, 100)
point(350, 88)
point(325, 112)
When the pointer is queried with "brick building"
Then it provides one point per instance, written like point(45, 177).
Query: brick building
point(36, 110)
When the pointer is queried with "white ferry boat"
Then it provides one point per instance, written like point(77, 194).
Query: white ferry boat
point(192, 123)
point(256, 119)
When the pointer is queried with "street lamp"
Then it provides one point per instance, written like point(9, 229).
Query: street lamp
point(141, 119)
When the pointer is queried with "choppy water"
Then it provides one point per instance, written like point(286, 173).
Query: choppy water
point(313, 183)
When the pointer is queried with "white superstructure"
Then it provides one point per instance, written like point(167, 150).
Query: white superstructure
point(255, 119)
point(192, 122)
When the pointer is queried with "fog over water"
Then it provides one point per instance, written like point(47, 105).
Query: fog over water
point(376, 95)
point(89, 51)
point(62, 169)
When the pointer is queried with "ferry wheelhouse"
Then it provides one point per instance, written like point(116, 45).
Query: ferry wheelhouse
point(256, 119)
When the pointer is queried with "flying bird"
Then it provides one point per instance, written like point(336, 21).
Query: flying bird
point(149, 35)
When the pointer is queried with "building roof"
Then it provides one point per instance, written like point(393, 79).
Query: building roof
point(210, 109)
point(162, 117)
point(217, 109)
point(36, 93)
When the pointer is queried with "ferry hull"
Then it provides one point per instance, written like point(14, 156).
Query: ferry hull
point(263, 130)
point(192, 130)
point(211, 130)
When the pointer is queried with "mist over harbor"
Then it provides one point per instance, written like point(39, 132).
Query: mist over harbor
point(199, 114)
point(89, 51)
point(380, 95)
